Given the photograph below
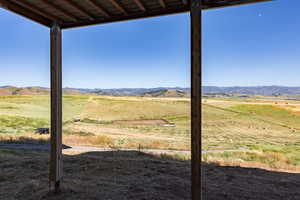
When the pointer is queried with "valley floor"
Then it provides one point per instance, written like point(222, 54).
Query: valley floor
point(251, 148)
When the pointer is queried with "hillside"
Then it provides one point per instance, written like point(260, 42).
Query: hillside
point(11, 90)
point(165, 93)
point(172, 92)
point(130, 91)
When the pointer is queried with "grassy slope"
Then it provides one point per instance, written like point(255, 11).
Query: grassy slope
point(271, 130)
point(22, 114)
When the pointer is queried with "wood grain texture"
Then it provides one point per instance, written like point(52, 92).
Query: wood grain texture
point(56, 107)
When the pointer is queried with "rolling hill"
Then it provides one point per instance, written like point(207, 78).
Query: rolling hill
point(253, 90)
point(174, 92)
point(166, 93)
point(156, 92)
point(11, 90)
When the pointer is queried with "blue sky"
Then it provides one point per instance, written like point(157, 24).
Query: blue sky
point(256, 44)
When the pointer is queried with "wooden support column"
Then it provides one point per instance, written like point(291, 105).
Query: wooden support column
point(56, 108)
point(196, 97)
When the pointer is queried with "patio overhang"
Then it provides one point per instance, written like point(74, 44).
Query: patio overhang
point(76, 13)
point(62, 14)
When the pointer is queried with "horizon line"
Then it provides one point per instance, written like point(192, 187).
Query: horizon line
point(67, 87)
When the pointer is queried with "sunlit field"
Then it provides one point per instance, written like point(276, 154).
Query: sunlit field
point(266, 131)
point(247, 143)
point(116, 122)
point(256, 132)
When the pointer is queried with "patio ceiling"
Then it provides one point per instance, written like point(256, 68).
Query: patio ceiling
point(75, 13)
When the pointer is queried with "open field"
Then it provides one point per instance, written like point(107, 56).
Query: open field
point(117, 122)
point(269, 127)
point(241, 135)
point(264, 132)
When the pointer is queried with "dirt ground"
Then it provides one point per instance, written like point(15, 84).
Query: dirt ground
point(118, 175)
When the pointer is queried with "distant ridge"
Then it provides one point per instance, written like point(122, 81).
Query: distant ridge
point(159, 91)
point(253, 90)
point(36, 90)
point(166, 93)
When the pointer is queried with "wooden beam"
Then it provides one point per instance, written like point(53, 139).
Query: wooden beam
point(37, 10)
point(141, 15)
point(99, 8)
point(196, 98)
point(162, 3)
point(140, 5)
point(119, 6)
point(79, 9)
point(59, 9)
point(56, 107)
point(113, 19)
point(25, 12)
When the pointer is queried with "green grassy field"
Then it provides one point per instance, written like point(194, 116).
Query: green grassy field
point(263, 132)
point(21, 115)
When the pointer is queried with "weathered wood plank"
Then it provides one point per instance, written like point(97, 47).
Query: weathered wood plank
point(79, 9)
point(25, 12)
point(119, 6)
point(60, 10)
point(37, 11)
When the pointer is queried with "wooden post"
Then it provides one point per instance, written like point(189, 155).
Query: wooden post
point(196, 97)
point(56, 107)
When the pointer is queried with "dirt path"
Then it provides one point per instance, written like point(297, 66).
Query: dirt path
point(100, 149)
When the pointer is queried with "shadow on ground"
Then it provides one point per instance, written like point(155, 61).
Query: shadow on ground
point(131, 175)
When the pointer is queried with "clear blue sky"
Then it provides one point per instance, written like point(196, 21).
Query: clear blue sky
point(246, 45)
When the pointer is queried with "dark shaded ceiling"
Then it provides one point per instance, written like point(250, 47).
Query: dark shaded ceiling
point(74, 13)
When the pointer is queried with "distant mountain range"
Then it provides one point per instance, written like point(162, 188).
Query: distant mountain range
point(166, 93)
point(161, 91)
point(131, 91)
point(156, 92)
point(253, 90)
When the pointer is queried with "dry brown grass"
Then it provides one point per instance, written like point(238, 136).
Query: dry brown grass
point(111, 175)
point(97, 140)
point(272, 161)
point(131, 175)
point(102, 141)
point(24, 138)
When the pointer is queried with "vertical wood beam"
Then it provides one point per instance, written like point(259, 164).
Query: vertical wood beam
point(56, 107)
point(196, 97)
